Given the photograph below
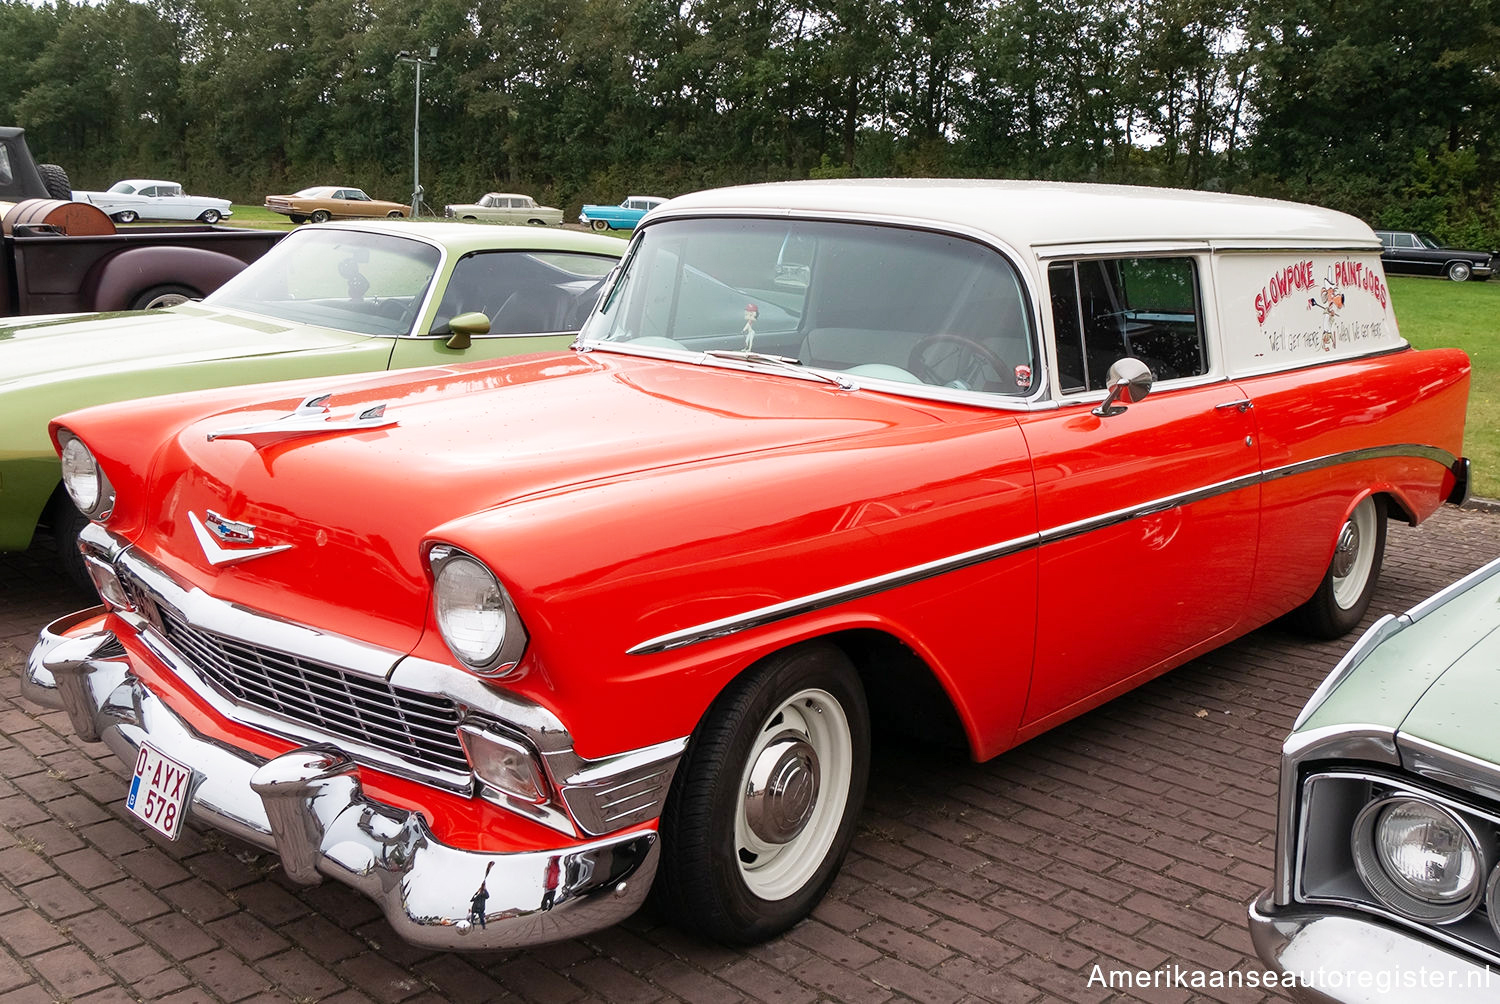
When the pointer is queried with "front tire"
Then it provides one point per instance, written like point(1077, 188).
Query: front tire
point(764, 804)
point(599, 225)
point(1344, 594)
point(67, 523)
point(211, 216)
point(1459, 271)
point(395, 214)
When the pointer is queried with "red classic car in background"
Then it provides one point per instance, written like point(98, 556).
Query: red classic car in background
point(504, 644)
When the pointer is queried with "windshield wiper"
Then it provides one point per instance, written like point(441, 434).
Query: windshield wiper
point(785, 362)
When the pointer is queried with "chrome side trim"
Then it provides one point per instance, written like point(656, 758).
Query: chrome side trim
point(762, 616)
point(828, 597)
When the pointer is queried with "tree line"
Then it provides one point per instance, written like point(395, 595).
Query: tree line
point(1383, 108)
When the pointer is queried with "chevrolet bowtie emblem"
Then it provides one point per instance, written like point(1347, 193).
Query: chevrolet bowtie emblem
point(213, 531)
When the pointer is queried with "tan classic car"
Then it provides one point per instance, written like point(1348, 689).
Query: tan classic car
point(505, 207)
point(329, 202)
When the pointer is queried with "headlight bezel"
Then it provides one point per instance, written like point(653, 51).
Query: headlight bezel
point(1390, 890)
point(102, 505)
point(504, 655)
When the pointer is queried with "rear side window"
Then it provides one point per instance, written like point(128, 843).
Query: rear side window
point(1108, 308)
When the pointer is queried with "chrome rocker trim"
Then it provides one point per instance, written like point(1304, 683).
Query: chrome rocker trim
point(1305, 941)
point(309, 807)
point(762, 616)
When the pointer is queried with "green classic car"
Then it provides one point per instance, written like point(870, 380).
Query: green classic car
point(331, 299)
point(1388, 836)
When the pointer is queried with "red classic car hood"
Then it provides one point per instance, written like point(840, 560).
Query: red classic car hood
point(355, 505)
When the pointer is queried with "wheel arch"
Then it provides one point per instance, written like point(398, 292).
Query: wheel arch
point(905, 694)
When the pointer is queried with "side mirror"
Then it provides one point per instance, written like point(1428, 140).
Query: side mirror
point(465, 327)
point(1128, 380)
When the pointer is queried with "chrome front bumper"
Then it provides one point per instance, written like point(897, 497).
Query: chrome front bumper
point(309, 807)
point(1344, 957)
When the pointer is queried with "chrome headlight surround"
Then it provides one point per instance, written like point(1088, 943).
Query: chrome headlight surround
point(83, 479)
point(1396, 891)
point(474, 613)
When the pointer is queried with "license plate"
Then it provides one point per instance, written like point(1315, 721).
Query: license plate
point(159, 791)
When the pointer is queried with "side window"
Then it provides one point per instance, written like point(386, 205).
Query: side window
point(1106, 309)
point(522, 292)
point(7, 175)
point(1403, 241)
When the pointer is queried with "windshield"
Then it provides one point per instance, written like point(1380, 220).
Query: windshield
point(1430, 242)
point(873, 302)
point(368, 284)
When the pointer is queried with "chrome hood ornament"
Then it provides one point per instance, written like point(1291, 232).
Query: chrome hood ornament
point(214, 531)
point(310, 418)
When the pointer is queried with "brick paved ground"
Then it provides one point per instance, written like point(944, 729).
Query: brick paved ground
point(1130, 838)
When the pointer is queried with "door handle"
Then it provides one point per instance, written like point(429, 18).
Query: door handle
point(1242, 405)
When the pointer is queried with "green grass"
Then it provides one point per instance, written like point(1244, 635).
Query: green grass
point(1436, 313)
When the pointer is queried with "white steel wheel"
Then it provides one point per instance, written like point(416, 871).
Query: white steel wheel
point(1354, 555)
point(764, 803)
point(1349, 582)
point(796, 785)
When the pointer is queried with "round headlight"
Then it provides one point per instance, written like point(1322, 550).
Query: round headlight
point(1418, 858)
point(84, 482)
point(470, 610)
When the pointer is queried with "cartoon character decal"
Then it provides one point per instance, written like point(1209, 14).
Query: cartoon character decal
point(1330, 300)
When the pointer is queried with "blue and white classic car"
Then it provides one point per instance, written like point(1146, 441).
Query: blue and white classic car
point(622, 217)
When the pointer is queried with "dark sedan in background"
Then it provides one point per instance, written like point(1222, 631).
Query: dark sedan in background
point(1408, 252)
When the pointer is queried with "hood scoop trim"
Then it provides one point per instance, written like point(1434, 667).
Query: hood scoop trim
point(310, 418)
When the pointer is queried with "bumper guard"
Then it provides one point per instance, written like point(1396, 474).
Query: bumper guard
point(309, 807)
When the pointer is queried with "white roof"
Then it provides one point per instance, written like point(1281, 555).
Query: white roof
point(1041, 213)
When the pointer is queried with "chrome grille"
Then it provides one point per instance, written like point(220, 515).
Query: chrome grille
point(419, 728)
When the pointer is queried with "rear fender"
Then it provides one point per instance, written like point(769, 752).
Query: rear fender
point(115, 282)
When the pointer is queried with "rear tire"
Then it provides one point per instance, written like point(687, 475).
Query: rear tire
point(764, 804)
point(1344, 594)
point(297, 218)
point(125, 216)
point(55, 180)
point(320, 216)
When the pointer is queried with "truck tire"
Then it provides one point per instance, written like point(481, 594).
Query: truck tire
point(56, 180)
point(163, 296)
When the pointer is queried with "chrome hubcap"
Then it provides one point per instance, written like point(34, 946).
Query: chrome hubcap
point(1346, 550)
point(782, 790)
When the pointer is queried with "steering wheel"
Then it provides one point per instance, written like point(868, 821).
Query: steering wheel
point(962, 365)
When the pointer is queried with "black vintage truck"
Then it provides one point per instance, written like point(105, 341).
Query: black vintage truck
point(58, 256)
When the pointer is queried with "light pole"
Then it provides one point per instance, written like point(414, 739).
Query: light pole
point(416, 122)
